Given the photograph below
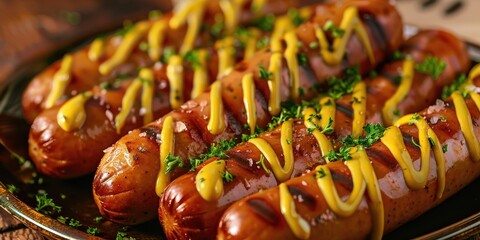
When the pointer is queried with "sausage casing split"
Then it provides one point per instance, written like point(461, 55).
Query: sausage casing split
point(124, 184)
point(185, 214)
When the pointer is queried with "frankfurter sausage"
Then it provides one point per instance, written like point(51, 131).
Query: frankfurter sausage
point(184, 210)
point(82, 70)
point(394, 191)
point(125, 186)
point(63, 148)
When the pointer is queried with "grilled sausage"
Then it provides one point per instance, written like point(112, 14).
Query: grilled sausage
point(71, 151)
point(84, 72)
point(125, 182)
point(397, 200)
point(183, 211)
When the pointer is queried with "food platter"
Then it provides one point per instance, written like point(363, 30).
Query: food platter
point(457, 217)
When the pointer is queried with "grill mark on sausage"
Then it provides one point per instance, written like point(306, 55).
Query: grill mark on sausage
point(381, 157)
point(302, 196)
point(376, 28)
point(347, 110)
point(261, 208)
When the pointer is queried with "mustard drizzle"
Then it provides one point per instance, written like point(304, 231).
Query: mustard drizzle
point(72, 115)
point(129, 42)
point(231, 12)
point(156, 37)
point(301, 229)
point(192, 12)
point(144, 80)
point(414, 179)
point(60, 81)
point(248, 87)
point(175, 79)
point(167, 147)
point(350, 22)
point(403, 89)
point(96, 49)
point(292, 62)
point(274, 102)
point(281, 173)
point(209, 182)
point(359, 105)
point(226, 56)
point(200, 75)
point(251, 45)
point(216, 124)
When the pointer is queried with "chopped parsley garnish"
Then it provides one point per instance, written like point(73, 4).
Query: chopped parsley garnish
point(263, 42)
point(288, 140)
point(127, 26)
point(93, 231)
point(265, 23)
point(21, 160)
point(373, 132)
point(143, 46)
point(396, 112)
point(12, 188)
point(373, 74)
point(444, 148)
point(345, 85)
point(302, 59)
point(74, 223)
point(397, 55)
point(313, 45)
point(320, 173)
point(289, 110)
point(415, 117)
point(432, 142)
point(431, 65)
point(192, 58)
point(295, 17)
point(415, 143)
point(448, 90)
point(443, 119)
point(328, 129)
point(227, 176)
point(154, 14)
point(216, 29)
point(262, 163)
point(167, 54)
point(335, 31)
point(264, 73)
point(62, 219)
point(343, 153)
point(46, 205)
point(215, 150)
point(173, 162)
point(123, 236)
point(98, 219)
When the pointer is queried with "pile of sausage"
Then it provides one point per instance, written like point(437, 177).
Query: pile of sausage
point(333, 127)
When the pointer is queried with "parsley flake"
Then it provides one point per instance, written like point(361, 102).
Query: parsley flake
point(46, 205)
point(336, 31)
point(173, 162)
point(93, 231)
point(227, 176)
point(264, 73)
point(262, 163)
point(431, 65)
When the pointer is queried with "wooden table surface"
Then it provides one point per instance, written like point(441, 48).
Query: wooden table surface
point(31, 29)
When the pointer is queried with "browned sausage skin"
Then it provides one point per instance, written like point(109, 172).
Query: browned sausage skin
point(64, 153)
point(260, 213)
point(84, 72)
point(184, 213)
point(124, 185)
